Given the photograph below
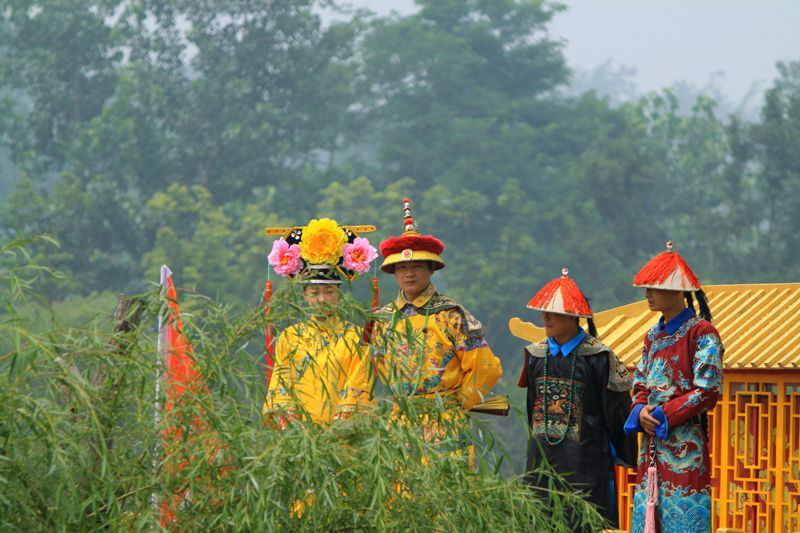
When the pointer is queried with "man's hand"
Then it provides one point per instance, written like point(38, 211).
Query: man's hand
point(648, 423)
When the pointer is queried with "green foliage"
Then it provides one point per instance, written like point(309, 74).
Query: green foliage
point(241, 99)
point(20, 270)
point(79, 445)
point(90, 311)
point(773, 177)
point(65, 60)
point(456, 92)
point(206, 243)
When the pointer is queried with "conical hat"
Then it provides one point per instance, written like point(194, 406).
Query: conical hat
point(667, 271)
point(561, 296)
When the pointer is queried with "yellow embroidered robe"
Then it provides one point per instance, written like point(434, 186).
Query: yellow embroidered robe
point(436, 347)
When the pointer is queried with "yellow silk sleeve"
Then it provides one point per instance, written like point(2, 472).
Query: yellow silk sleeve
point(279, 392)
point(480, 368)
point(354, 394)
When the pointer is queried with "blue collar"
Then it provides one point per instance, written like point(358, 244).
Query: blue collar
point(672, 326)
point(566, 348)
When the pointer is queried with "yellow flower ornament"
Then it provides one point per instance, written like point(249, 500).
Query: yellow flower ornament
point(322, 242)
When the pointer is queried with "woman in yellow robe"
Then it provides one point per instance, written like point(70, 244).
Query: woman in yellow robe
point(314, 359)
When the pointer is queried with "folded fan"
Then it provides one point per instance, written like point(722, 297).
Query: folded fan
point(495, 405)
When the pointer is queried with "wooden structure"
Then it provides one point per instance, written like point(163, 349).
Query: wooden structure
point(755, 427)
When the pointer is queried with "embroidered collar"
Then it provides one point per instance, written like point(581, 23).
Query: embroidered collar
point(418, 302)
point(566, 348)
point(673, 325)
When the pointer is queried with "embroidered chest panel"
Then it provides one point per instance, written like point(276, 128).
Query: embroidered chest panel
point(563, 415)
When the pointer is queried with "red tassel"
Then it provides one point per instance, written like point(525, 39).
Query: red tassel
point(418, 243)
point(376, 293)
point(270, 346)
point(376, 302)
point(543, 297)
point(661, 267)
point(574, 301)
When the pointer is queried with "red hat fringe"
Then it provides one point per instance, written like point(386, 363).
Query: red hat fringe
point(574, 302)
point(418, 243)
point(659, 269)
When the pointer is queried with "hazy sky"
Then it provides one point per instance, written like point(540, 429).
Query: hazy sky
point(669, 40)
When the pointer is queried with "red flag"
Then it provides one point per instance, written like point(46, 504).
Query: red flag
point(183, 386)
point(181, 375)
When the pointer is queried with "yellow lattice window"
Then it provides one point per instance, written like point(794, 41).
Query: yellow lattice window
point(755, 455)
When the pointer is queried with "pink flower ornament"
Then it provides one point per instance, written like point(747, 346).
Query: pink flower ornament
point(359, 254)
point(285, 258)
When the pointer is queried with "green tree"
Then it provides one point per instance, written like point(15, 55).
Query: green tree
point(775, 141)
point(216, 250)
point(63, 57)
point(457, 93)
point(128, 98)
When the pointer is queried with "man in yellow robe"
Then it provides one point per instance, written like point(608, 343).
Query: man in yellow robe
point(430, 345)
point(316, 359)
point(439, 347)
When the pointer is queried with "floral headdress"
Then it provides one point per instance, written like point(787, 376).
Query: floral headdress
point(321, 252)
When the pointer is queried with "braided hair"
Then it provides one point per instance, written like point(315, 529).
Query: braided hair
point(592, 328)
point(705, 312)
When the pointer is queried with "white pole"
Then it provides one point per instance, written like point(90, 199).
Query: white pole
point(161, 349)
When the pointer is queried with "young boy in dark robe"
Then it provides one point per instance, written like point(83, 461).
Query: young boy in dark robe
point(578, 399)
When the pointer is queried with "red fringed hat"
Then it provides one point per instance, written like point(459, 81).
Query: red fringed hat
point(410, 246)
point(561, 296)
point(667, 271)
